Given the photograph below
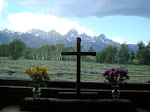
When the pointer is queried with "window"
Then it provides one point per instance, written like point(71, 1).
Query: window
point(34, 33)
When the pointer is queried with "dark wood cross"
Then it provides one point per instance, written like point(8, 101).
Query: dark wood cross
point(78, 54)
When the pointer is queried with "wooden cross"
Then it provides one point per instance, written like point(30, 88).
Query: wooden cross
point(78, 54)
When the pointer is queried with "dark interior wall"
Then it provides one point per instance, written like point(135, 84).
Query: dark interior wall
point(13, 91)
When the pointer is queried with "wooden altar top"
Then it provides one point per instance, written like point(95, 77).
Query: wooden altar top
point(121, 105)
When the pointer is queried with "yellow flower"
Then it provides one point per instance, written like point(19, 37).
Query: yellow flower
point(30, 69)
point(46, 76)
point(27, 71)
point(37, 67)
point(43, 69)
point(38, 73)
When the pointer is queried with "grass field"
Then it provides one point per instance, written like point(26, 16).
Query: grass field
point(70, 67)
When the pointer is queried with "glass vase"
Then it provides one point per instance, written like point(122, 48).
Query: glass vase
point(115, 92)
point(36, 91)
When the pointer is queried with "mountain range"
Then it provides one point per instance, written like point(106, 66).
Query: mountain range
point(36, 38)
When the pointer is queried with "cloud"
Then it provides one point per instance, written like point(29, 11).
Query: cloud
point(26, 21)
point(1, 5)
point(36, 3)
point(101, 8)
point(119, 40)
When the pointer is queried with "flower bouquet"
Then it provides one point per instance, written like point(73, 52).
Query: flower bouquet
point(38, 75)
point(115, 76)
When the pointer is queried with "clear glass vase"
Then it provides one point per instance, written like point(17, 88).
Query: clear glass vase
point(36, 91)
point(115, 92)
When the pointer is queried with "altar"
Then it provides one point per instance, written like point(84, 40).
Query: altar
point(47, 104)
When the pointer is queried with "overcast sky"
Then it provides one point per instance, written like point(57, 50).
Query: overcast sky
point(120, 20)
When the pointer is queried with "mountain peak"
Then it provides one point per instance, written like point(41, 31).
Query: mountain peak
point(52, 31)
point(34, 30)
point(6, 30)
point(73, 29)
point(84, 34)
point(102, 36)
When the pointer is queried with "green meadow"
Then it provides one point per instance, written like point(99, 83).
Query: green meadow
point(95, 70)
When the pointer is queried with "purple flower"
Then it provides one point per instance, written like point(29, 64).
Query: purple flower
point(107, 72)
point(115, 73)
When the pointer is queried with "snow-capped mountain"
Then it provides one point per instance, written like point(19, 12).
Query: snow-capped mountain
point(36, 38)
point(51, 35)
point(71, 35)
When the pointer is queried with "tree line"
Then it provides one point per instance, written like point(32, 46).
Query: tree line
point(111, 54)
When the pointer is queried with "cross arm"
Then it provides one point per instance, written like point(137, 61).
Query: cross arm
point(88, 53)
point(68, 53)
point(82, 53)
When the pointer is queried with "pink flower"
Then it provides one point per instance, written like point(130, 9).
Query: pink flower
point(115, 72)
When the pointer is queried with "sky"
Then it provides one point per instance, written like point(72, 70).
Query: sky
point(119, 20)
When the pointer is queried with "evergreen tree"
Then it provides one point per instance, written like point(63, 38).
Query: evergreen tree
point(101, 56)
point(27, 53)
point(143, 53)
point(90, 58)
point(111, 51)
point(91, 49)
point(123, 54)
point(16, 48)
point(132, 57)
point(4, 50)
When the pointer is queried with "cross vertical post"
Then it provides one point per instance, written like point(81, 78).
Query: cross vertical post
point(78, 65)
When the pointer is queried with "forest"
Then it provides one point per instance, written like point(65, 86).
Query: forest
point(111, 54)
